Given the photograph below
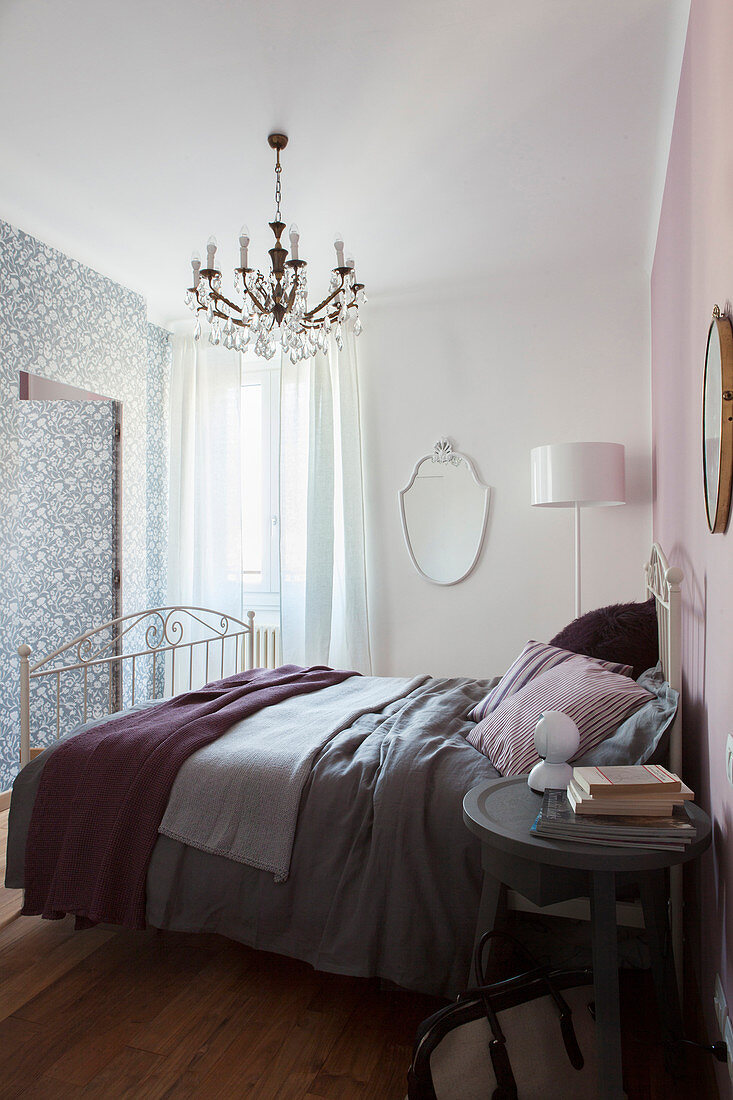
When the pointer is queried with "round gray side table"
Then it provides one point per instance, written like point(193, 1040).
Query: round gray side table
point(547, 871)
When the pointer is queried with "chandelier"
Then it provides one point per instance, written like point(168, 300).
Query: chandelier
point(274, 305)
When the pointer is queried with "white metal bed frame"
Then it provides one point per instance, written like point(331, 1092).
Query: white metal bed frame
point(225, 644)
point(664, 583)
point(165, 634)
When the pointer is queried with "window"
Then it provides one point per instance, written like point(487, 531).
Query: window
point(260, 484)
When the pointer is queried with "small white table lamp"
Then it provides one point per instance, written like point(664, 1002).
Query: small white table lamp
point(577, 474)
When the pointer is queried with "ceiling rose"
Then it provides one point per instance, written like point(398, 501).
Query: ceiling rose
point(274, 306)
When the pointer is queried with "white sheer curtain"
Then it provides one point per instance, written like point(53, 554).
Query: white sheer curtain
point(205, 518)
point(322, 562)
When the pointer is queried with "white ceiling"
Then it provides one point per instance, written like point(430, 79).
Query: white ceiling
point(444, 138)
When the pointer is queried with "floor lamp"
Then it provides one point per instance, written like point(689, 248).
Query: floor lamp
point(574, 475)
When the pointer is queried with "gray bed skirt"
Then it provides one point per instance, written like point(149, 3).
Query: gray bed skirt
point(384, 877)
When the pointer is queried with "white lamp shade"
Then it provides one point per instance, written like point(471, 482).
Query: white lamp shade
point(564, 474)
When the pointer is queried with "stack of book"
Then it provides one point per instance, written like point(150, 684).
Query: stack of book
point(648, 790)
point(642, 806)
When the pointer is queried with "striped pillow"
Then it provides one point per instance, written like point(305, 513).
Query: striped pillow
point(597, 700)
point(535, 658)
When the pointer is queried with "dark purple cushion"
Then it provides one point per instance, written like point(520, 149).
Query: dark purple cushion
point(624, 632)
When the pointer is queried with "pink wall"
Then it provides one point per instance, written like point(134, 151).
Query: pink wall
point(693, 269)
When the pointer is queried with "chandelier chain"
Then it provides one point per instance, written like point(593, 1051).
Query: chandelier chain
point(278, 187)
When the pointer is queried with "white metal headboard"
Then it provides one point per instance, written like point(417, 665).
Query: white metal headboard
point(215, 643)
point(664, 583)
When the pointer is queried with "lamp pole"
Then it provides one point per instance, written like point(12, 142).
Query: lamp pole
point(577, 560)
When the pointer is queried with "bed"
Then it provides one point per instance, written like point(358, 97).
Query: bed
point(382, 878)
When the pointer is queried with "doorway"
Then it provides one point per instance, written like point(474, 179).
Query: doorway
point(69, 527)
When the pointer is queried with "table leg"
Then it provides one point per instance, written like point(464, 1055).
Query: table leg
point(493, 899)
point(653, 888)
point(605, 982)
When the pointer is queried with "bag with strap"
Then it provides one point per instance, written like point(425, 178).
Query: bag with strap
point(530, 1037)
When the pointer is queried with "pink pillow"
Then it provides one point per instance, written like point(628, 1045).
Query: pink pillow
point(597, 700)
point(535, 658)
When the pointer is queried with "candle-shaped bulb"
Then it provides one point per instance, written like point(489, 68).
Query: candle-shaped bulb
point(196, 266)
point(350, 261)
point(294, 238)
point(338, 244)
point(243, 246)
point(211, 253)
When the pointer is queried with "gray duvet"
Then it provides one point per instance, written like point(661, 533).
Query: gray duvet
point(384, 877)
point(255, 774)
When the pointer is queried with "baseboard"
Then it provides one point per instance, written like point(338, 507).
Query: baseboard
point(4, 800)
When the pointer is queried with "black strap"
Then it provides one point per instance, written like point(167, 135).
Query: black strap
point(506, 1086)
point(537, 970)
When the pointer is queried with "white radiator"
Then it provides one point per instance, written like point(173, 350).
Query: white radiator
point(267, 647)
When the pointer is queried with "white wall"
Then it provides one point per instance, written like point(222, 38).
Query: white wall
point(531, 360)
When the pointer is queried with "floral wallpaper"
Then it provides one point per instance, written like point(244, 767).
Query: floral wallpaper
point(67, 322)
point(159, 356)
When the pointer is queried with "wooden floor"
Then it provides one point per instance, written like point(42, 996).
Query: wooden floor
point(110, 1014)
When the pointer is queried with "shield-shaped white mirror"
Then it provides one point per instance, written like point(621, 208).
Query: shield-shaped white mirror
point(444, 509)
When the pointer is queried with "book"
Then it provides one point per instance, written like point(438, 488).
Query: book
point(557, 812)
point(625, 780)
point(647, 846)
point(557, 820)
point(615, 807)
point(646, 805)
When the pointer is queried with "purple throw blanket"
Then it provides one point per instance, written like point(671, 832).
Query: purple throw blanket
point(103, 794)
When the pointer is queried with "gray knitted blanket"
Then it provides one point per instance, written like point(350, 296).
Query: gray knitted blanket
point(239, 796)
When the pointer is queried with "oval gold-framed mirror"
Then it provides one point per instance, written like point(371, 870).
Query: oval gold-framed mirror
point(717, 422)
